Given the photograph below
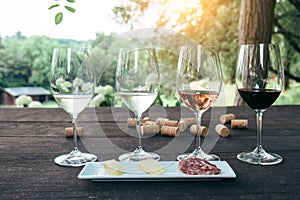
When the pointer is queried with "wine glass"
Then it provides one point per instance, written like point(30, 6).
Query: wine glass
point(259, 80)
point(72, 85)
point(137, 82)
point(198, 83)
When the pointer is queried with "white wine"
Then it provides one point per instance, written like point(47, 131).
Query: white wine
point(73, 104)
point(138, 102)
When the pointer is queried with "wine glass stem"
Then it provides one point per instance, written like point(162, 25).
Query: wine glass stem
point(139, 130)
point(74, 122)
point(259, 118)
point(198, 138)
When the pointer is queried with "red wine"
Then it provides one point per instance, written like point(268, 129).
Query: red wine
point(259, 98)
point(198, 100)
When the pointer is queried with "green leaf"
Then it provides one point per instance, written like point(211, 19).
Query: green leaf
point(71, 1)
point(58, 18)
point(70, 9)
point(53, 6)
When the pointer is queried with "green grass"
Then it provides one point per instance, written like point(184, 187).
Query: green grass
point(50, 104)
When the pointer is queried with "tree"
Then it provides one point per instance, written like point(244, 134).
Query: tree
point(229, 24)
point(1, 45)
point(287, 17)
point(14, 70)
point(37, 51)
point(216, 21)
point(27, 61)
point(207, 22)
point(255, 25)
point(19, 35)
point(256, 21)
point(260, 20)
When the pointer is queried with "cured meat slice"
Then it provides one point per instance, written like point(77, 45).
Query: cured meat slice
point(197, 166)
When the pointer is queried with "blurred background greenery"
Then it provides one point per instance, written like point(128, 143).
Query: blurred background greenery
point(25, 61)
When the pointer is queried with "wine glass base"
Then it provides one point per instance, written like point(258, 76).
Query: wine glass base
point(77, 159)
point(260, 158)
point(204, 156)
point(138, 155)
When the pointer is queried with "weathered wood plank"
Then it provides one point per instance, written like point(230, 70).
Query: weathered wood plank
point(31, 138)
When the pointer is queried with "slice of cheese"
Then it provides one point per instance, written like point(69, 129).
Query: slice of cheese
point(113, 167)
point(151, 167)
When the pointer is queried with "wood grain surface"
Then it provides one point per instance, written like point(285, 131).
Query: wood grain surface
point(30, 138)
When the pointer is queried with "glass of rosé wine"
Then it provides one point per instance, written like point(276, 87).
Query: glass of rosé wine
point(198, 84)
point(259, 81)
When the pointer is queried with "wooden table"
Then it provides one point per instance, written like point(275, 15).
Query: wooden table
point(31, 138)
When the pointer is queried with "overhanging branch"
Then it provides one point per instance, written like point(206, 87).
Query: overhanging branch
point(288, 75)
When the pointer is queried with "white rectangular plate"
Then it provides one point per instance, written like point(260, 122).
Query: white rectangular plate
point(95, 171)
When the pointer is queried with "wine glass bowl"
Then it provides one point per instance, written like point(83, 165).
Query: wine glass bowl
point(198, 84)
point(259, 81)
point(137, 83)
point(72, 84)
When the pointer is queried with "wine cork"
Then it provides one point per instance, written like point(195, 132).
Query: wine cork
point(150, 129)
point(171, 123)
point(169, 131)
point(161, 121)
point(131, 122)
point(145, 119)
point(226, 118)
point(182, 125)
point(222, 130)
point(203, 131)
point(191, 120)
point(185, 122)
point(69, 132)
point(239, 123)
point(150, 123)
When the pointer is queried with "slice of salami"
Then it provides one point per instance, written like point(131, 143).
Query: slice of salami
point(197, 166)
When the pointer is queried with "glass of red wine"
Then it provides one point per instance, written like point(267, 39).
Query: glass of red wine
point(198, 83)
point(259, 80)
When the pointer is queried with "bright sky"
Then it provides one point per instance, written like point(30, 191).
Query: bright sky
point(32, 17)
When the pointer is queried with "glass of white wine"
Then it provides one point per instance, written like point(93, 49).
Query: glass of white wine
point(137, 82)
point(72, 85)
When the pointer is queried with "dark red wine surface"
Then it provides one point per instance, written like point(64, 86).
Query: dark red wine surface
point(259, 98)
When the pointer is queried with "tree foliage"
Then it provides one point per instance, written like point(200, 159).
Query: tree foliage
point(27, 61)
point(216, 22)
point(286, 33)
point(14, 71)
point(66, 6)
point(207, 22)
